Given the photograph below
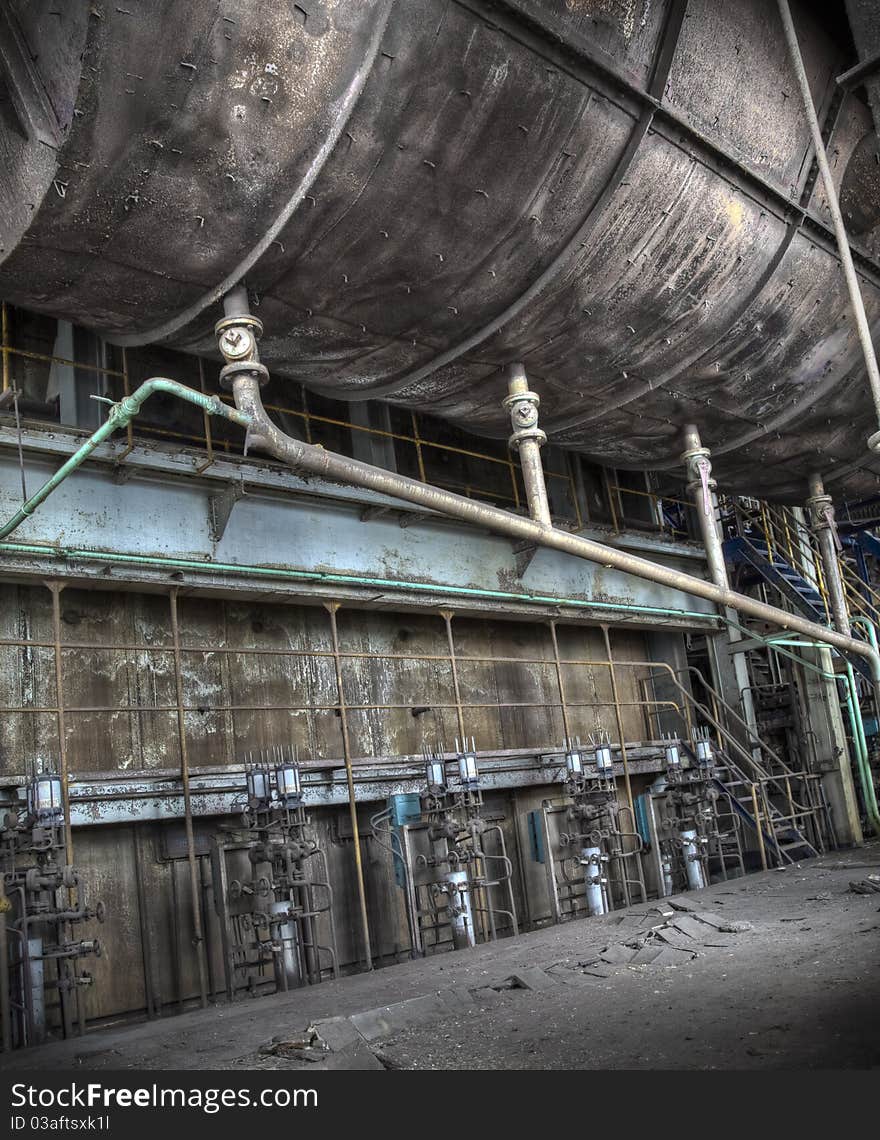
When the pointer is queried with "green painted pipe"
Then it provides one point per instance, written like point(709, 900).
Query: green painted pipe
point(854, 712)
point(120, 416)
point(344, 580)
point(869, 626)
point(857, 727)
point(865, 774)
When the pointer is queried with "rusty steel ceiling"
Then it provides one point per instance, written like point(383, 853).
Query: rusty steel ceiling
point(620, 193)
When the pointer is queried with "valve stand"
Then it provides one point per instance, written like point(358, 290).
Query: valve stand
point(271, 886)
point(583, 839)
point(43, 905)
point(691, 796)
point(449, 856)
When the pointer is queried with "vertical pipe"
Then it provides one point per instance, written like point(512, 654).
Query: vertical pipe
point(178, 933)
point(5, 979)
point(55, 589)
point(195, 893)
point(4, 343)
point(822, 519)
point(615, 696)
point(758, 829)
point(145, 924)
point(619, 718)
point(693, 865)
point(453, 665)
point(331, 608)
point(701, 487)
point(846, 261)
point(527, 439)
point(566, 727)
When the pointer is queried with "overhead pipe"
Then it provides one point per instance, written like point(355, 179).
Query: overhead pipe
point(849, 271)
point(245, 376)
point(264, 435)
point(702, 488)
point(821, 511)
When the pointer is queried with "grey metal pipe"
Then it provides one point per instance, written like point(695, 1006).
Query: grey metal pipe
point(336, 468)
point(527, 439)
point(702, 487)
point(461, 915)
point(692, 863)
point(852, 283)
point(821, 511)
point(591, 858)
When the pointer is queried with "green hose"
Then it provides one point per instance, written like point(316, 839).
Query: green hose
point(121, 415)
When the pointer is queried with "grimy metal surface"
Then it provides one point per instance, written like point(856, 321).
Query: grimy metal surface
point(620, 194)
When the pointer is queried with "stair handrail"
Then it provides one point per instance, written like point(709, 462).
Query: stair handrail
point(860, 745)
point(764, 776)
point(743, 723)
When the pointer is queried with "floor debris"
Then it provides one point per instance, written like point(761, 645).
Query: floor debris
point(866, 886)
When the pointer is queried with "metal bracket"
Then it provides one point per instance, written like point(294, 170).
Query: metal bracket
point(370, 513)
point(410, 518)
point(524, 552)
point(31, 105)
point(220, 507)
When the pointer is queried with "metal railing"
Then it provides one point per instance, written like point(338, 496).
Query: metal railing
point(767, 784)
point(496, 477)
point(788, 537)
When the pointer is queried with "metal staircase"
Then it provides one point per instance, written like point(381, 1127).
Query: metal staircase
point(780, 834)
point(753, 555)
point(783, 805)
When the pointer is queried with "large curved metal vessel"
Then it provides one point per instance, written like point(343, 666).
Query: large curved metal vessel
point(620, 193)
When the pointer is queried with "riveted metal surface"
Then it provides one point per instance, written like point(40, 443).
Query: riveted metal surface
point(619, 194)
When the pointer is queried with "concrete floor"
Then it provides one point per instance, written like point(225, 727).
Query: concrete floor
point(794, 984)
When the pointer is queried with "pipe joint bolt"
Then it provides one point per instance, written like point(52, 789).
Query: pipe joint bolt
point(523, 409)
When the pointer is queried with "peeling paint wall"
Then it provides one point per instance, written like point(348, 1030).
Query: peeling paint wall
point(136, 729)
point(257, 674)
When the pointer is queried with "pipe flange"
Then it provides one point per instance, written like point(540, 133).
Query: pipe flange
point(244, 368)
point(821, 508)
point(527, 397)
point(696, 453)
point(523, 408)
point(246, 321)
point(533, 433)
point(697, 485)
